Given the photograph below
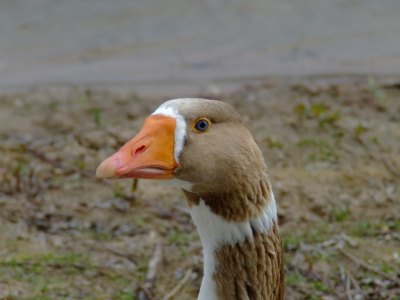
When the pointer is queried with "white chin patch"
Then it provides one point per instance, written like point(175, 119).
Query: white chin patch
point(180, 129)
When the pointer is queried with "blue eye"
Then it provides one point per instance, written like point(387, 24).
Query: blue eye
point(202, 125)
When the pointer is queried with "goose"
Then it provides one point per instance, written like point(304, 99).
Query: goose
point(205, 148)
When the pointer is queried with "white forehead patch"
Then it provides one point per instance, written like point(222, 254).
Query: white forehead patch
point(180, 129)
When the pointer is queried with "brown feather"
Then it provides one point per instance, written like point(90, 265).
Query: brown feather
point(251, 270)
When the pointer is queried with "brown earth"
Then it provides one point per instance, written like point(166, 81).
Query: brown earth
point(333, 152)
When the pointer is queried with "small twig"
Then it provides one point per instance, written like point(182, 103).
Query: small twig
point(389, 165)
point(179, 286)
point(121, 254)
point(348, 285)
point(154, 263)
point(143, 289)
point(368, 267)
point(134, 185)
point(151, 273)
point(355, 283)
point(17, 176)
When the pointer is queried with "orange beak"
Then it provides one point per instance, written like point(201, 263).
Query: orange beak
point(149, 155)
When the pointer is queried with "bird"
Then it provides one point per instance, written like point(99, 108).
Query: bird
point(206, 148)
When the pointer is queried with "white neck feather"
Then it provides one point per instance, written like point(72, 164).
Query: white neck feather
point(215, 232)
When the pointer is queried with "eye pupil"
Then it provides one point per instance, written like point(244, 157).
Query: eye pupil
point(201, 125)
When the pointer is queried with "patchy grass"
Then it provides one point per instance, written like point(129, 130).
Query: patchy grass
point(321, 150)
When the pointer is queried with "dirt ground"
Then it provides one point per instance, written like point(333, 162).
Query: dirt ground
point(333, 153)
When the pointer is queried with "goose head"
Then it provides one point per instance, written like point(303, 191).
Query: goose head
point(200, 143)
point(206, 148)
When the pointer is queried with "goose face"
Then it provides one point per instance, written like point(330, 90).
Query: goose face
point(201, 142)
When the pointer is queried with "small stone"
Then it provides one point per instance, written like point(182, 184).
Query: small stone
point(178, 274)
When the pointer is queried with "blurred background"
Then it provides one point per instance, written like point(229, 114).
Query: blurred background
point(317, 81)
point(153, 46)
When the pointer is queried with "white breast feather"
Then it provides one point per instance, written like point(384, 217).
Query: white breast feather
point(215, 232)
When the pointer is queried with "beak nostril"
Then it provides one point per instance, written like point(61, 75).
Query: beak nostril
point(140, 150)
